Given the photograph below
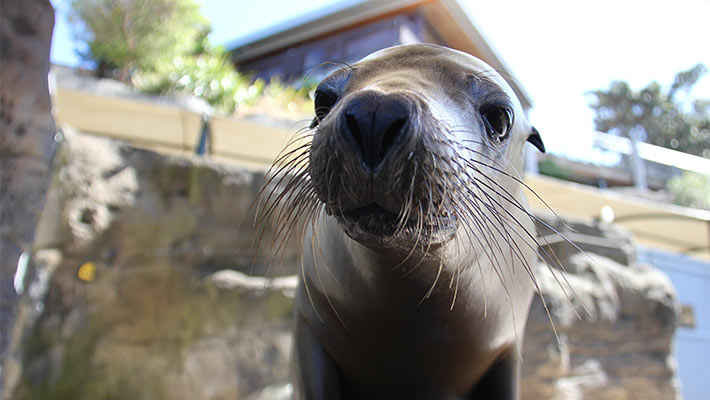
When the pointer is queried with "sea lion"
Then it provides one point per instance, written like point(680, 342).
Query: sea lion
point(418, 246)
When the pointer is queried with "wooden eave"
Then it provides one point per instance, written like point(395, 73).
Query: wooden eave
point(461, 35)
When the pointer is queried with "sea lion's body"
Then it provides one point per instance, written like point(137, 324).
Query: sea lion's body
point(416, 280)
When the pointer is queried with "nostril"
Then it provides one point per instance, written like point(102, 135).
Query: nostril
point(354, 129)
point(374, 124)
point(391, 134)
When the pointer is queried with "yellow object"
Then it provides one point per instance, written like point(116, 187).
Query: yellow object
point(87, 272)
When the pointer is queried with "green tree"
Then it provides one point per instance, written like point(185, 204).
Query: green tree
point(666, 118)
point(135, 35)
point(691, 190)
point(159, 46)
point(204, 71)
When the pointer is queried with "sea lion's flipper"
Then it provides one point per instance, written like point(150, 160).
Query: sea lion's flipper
point(536, 140)
point(501, 380)
point(315, 374)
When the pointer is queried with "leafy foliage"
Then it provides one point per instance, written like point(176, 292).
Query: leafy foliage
point(204, 72)
point(691, 190)
point(135, 35)
point(162, 46)
point(661, 117)
point(290, 97)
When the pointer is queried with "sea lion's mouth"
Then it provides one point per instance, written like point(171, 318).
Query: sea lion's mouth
point(373, 224)
point(372, 218)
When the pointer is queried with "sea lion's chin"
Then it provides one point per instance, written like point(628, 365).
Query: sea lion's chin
point(376, 227)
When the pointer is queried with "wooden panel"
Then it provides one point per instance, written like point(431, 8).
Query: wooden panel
point(243, 140)
point(127, 119)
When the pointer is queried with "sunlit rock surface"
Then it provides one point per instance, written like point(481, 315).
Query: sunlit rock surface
point(615, 325)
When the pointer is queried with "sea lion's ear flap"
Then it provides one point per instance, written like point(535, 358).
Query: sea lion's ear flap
point(536, 140)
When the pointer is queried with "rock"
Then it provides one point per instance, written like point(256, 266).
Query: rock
point(230, 279)
point(283, 391)
point(26, 150)
point(168, 310)
point(615, 325)
point(611, 241)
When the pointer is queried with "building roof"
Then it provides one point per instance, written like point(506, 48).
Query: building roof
point(451, 21)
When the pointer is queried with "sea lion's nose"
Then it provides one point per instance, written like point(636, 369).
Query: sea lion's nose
point(375, 122)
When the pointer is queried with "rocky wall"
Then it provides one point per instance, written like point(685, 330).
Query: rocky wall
point(143, 287)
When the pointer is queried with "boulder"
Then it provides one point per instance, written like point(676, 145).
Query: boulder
point(139, 289)
point(614, 333)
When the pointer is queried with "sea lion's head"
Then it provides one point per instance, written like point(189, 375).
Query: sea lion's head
point(414, 144)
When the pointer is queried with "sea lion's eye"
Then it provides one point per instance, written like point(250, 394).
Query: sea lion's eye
point(328, 93)
point(498, 121)
point(323, 102)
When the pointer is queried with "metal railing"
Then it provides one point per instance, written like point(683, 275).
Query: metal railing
point(650, 163)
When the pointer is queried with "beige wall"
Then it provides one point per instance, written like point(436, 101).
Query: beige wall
point(167, 129)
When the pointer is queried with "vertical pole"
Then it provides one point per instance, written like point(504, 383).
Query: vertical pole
point(204, 143)
point(638, 168)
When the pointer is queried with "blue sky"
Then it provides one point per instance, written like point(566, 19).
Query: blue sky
point(559, 50)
